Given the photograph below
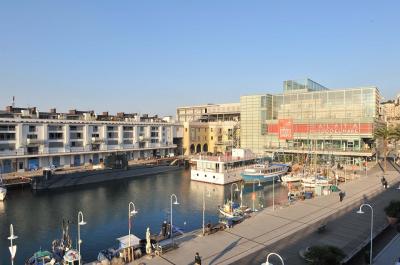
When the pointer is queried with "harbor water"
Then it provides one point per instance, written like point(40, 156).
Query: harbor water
point(37, 217)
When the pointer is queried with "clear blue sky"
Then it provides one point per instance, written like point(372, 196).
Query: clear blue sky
point(152, 56)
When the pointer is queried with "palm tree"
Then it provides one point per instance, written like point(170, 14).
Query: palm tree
point(386, 134)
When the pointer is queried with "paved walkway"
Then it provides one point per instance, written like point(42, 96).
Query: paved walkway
point(246, 243)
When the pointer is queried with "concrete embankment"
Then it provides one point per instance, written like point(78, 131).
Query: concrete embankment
point(97, 176)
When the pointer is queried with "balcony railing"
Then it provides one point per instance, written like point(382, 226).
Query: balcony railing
point(65, 150)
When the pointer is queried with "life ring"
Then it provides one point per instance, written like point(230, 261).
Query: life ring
point(157, 253)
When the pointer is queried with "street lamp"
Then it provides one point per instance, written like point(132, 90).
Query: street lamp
point(13, 248)
point(273, 254)
point(237, 189)
point(254, 195)
point(204, 208)
point(176, 203)
point(360, 211)
point(80, 222)
point(130, 214)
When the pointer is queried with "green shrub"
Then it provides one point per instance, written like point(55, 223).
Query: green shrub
point(393, 209)
point(324, 255)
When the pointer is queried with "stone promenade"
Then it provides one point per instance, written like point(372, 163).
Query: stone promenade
point(290, 229)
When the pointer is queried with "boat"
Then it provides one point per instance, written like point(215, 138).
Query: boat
point(231, 211)
point(291, 178)
point(312, 182)
point(264, 172)
point(3, 193)
point(41, 258)
point(3, 189)
point(71, 257)
point(223, 169)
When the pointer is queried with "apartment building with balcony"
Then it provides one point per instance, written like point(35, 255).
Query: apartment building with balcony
point(30, 139)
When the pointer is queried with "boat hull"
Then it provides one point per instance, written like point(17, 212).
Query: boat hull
point(3, 193)
point(260, 177)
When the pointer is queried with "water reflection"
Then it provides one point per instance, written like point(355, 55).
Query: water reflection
point(37, 218)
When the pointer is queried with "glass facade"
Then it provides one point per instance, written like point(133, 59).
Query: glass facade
point(305, 118)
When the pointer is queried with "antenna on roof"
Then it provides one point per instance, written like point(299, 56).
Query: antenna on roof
point(13, 102)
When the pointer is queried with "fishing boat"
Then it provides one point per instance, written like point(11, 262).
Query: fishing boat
point(232, 211)
point(264, 172)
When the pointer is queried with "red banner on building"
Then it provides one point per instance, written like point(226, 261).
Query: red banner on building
point(285, 127)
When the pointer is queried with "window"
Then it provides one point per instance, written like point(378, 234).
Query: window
point(7, 136)
point(32, 136)
point(32, 128)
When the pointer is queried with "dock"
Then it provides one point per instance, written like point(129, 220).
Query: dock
point(290, 229)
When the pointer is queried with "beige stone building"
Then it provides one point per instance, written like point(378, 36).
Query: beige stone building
point(211, 128)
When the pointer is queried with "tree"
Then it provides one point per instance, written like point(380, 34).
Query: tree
point(327, 255)
point(386, 134)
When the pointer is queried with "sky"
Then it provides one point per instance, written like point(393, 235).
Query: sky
point(153, 56)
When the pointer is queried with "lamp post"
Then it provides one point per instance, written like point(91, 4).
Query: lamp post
point(80, 222)
point(176, 203)
point(273, 254)
point(12, 248)
point(204, 209)
point(254, 195)
point(360, 211)
point(130, 214)
point(237, 189)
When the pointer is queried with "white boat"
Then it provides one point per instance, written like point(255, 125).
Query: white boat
point(291, 178)
point(222, 169)
point(229, 212)
point(312, 182)
point(71, 257)
point(264, 172)
point(3, 190)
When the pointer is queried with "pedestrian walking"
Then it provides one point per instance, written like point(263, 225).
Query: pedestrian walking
point(341, 195)
point(197, 259)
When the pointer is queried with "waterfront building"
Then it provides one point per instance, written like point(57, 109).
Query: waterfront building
point(310, 118)
point(30, 139)
point(391, 111)
point(211, 128)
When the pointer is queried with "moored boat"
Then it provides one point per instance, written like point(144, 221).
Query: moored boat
point(264, 173)
point(291, 178)
point(3, 189)
point(41, 258)
point(3, 193)
point(71, 257)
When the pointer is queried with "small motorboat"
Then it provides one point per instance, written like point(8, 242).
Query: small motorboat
point(3, 193)
point(3, 189)
point(291, 178)
point(41, 258)
point(231, 211)
point(71, 257)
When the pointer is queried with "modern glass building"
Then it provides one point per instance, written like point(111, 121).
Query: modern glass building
point(308, 117)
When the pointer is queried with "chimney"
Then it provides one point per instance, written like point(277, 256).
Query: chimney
point(105, 113)
point(53, 110)
point(9, 108)
point(72, 111)
point(120, 114)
